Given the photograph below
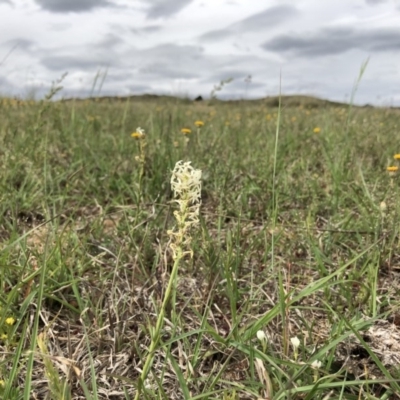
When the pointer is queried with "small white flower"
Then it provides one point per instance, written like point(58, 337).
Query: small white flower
point(295, 343)
point(316, 364)
point(261, 336)
point(140, 130)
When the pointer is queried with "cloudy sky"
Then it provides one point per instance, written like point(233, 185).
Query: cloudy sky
point(185, 47)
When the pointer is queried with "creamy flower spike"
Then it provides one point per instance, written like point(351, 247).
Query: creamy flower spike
point(186, 185)
point(186, 181)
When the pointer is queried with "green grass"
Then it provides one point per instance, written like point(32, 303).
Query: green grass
point(292, 240)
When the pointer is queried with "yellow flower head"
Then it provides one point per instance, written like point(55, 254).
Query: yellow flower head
point(199, 123)
point(186, 131)
point(396, 156)
point(138, 134)
point(3, 336)
point(10, 321)
point(317, 129)
point(392, 169)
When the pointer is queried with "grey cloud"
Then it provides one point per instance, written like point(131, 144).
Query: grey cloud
point(161, 66)
point(137, 88)
point(191, 61)
point(173, 53)
point(22, 43)
point(165, 71)
point(164, 8)
point(168, 60)
point(268, 17)
point(217, 34)
point(236, 75)
point(147, 30)
point(334, 41)
point(68, 63)
point(110, 41)
point(151, 28)
point(17, 46)
point(373, 2)
point(59, 27)
point(4, 84)
point(61, 6)
point(263, 20)
point(102, 53)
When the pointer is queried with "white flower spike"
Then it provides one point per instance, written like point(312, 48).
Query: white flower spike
point(186, 185)
point(295, 343)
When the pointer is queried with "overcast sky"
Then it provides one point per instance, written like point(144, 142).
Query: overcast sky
point(185, 47)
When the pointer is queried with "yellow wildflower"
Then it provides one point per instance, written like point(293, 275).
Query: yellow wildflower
point(186, 131)
point(392, 169)
point(10, 321)
point(396, 156)
point(3, 336)
point(199, 123)
point(138, 134)
point(2, 383)
point(317, 129)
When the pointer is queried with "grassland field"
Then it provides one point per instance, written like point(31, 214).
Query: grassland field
point(292, 291)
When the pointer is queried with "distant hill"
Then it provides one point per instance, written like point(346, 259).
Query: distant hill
point(271, 101)
point(299, 100)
